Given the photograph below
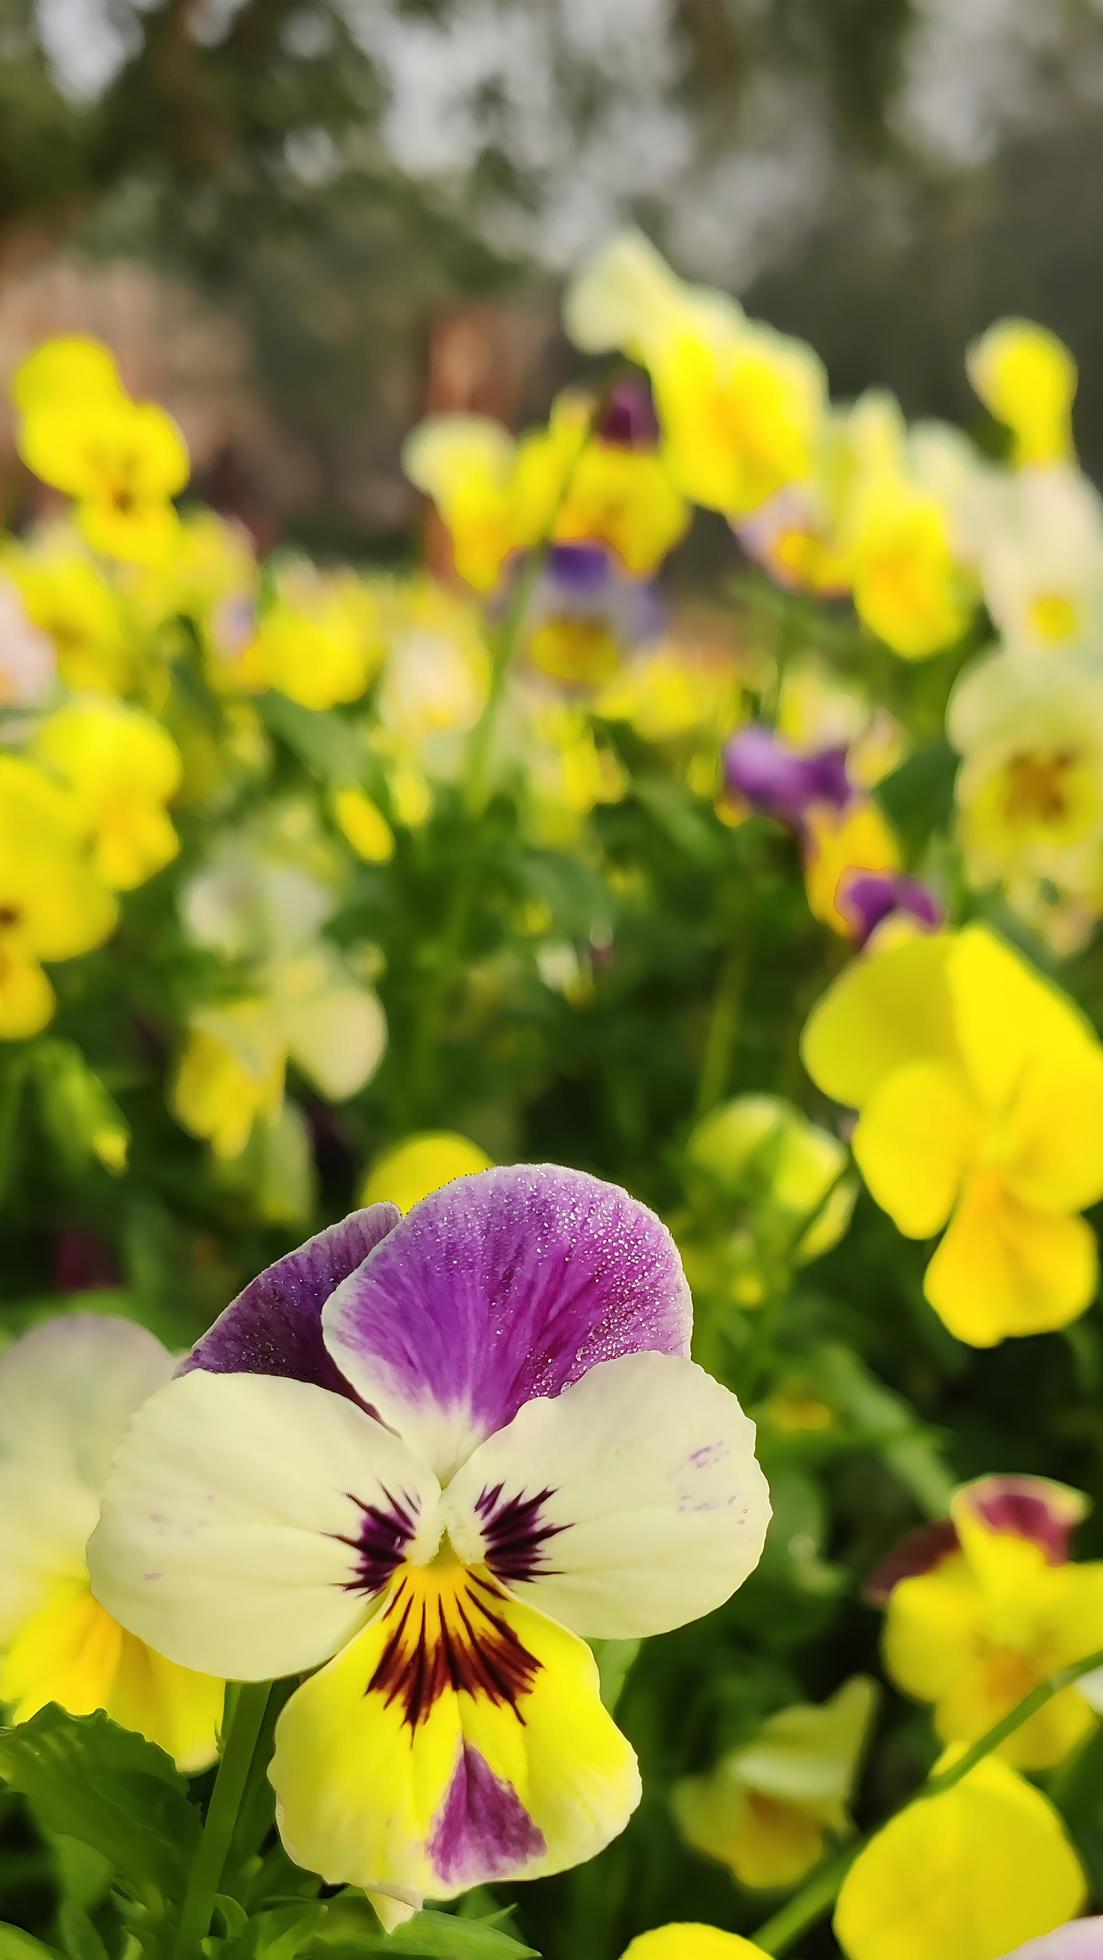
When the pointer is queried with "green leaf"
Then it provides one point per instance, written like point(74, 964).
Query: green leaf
point(331, 749)
point(351, 1929)
point(90, 1779)
point(15, 1944)
point(79, 1937)
point(614, 1659)
point(918, 798)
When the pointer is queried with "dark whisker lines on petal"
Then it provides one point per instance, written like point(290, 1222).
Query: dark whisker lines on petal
point(514, 1535)
point(387, 1528)
point(444, 1634)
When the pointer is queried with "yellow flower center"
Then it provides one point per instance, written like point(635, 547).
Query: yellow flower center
point(1037, 789)
point(1053, 616)
point(446, 1632)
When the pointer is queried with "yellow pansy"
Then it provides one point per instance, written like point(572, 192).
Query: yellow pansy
point(362, 822)
point(626, 299)
point(467, 464)
point(231, 1072)
point(576, 486)
point(909, 585)
point(122, 768)
point(53, 903)
point(69, 598)
point(980, 1091)
point(1039, 541)
point(408, 1171)
point(70, 369)
point(1030, 787)
point(770, 1808)
point(301, 1004)
point(319, 641)
point(691, 1942)
point(856, 838)
point(1026, 378)
point(802, 536)
point(740, 407)
point(966, 1875)
point(123, 462)
point(994, 1609)
point(67, 1392)
point(497, 496)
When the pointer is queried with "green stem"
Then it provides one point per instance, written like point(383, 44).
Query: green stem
point(243, 1729)
point(816, 1898)
point(723, 1030)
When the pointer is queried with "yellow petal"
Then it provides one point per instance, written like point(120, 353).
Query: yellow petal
point(410, 1170)
point(690, 1942)
point(362, 822)
point(858, 838)
point(964, 1876)
point(932, 1624)
point(1004, 1268)
point(1005, 1014)
point(73, 1652)
point(888, 1008)
point(1052, 1150)
point(1027, 378)
point(388, 1775)
point(26, 997)
point(914, 1141)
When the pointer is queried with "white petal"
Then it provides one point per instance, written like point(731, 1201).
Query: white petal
point(235, 1535)
point(67, 1392)
point(629, 1504)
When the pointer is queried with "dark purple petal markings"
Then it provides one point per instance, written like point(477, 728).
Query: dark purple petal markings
point(483, 1830)
point(274, 1327)
point(515, 1534)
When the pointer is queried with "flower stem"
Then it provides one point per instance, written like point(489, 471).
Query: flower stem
point(242, 1731)
point(723, 1030)
point(809, 1905)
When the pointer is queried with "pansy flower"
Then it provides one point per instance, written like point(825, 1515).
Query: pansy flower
point(981, 1609)
point(423, 1458)
point(979, 1088)
point(67, 1392)
point(964, 1874)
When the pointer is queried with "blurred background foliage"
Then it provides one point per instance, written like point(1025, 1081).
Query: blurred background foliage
point(300, 220)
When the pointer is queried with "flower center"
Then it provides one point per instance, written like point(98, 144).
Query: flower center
point(1037, 787)
point(446, 1630)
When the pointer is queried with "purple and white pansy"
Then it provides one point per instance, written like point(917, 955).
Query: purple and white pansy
point(427, 1457)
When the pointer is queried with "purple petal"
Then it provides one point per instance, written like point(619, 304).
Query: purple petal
point(503, 1286)
point(782, 782)
point(274, 1327)
point(628, 419)
point(586, 583)
point(483, 1830)
point(868, 898)
point(1028, 1507)
point(1083, 1940)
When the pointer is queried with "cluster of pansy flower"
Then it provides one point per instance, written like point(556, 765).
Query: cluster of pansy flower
point(377, 883)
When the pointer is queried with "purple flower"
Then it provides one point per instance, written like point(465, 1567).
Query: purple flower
point(423, 1456)
point(783, 782)
point(868, 898)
